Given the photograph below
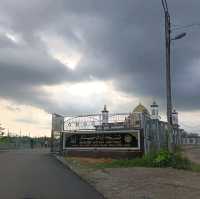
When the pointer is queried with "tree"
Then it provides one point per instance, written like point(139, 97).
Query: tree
point(2, 130)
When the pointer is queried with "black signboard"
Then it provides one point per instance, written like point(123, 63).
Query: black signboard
point(102, 140)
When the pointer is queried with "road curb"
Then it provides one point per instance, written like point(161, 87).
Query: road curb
point(64, 162)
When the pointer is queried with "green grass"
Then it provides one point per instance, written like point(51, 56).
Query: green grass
point(195, 167)
point(161, 159)
point(4, 140)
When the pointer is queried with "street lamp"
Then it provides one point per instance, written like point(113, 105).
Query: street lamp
point(179, 36)
point(168, 40)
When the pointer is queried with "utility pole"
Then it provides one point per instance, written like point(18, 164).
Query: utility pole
point(168, 40)
point(168, 61)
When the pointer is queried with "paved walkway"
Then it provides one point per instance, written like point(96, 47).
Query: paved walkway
point(34, 174)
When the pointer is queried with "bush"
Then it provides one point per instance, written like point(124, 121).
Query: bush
point(162, 158)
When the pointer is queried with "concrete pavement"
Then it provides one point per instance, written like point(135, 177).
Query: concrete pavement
point(34, 174)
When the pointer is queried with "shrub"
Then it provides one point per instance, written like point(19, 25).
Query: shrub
point(163, 159)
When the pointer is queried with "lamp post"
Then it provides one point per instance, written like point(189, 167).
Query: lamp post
point(168, 40)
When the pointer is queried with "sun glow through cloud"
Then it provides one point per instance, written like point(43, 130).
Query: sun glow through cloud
point(91, 95)
point(60, 50)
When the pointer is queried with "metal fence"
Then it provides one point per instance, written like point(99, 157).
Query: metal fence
point(7, 143)
point(157, 134)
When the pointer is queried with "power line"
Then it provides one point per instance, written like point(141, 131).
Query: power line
point(164, 4)
point(178, 27)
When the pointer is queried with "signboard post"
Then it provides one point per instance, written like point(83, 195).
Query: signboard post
point(57, 128)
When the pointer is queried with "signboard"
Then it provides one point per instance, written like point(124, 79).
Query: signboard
point(103, 140)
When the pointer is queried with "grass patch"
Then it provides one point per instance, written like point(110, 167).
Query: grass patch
point(195, 167)
point(161, 159)
point(4, 140)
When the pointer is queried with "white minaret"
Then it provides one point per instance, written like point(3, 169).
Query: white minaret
point(154, 111)
point(175, 117)
point(104, 115)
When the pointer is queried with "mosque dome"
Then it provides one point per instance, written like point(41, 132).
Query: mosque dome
point(141, 109)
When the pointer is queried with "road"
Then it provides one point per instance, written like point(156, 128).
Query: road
point(34, 174)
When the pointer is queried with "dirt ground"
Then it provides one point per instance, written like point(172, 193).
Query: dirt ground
point(193, 153)
point(86, 161)
point(144, 183)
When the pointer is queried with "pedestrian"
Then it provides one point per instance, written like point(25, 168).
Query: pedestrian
point(31, 143)
point(46, 143)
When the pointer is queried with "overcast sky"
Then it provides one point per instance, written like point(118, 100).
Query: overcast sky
point(74, 56)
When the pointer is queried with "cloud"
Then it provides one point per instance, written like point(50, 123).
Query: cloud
point(118, 41)
point(26, 119)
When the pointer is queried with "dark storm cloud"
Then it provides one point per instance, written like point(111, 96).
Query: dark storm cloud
point(131, 44)
point(121, 41)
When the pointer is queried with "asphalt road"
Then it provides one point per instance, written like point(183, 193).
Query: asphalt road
point(38, 175)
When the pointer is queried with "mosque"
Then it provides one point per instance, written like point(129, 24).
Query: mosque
point(154, 133)
point(137, 132)
point(138, 117)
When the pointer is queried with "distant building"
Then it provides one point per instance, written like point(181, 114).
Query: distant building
point(191, 139)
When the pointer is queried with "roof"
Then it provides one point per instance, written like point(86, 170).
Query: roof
point(141, 109)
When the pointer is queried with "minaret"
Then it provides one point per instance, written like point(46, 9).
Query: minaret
point(105, 115)
point(154, 111)
point(175, 117)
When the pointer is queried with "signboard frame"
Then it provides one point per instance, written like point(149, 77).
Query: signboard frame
point(137, 131)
